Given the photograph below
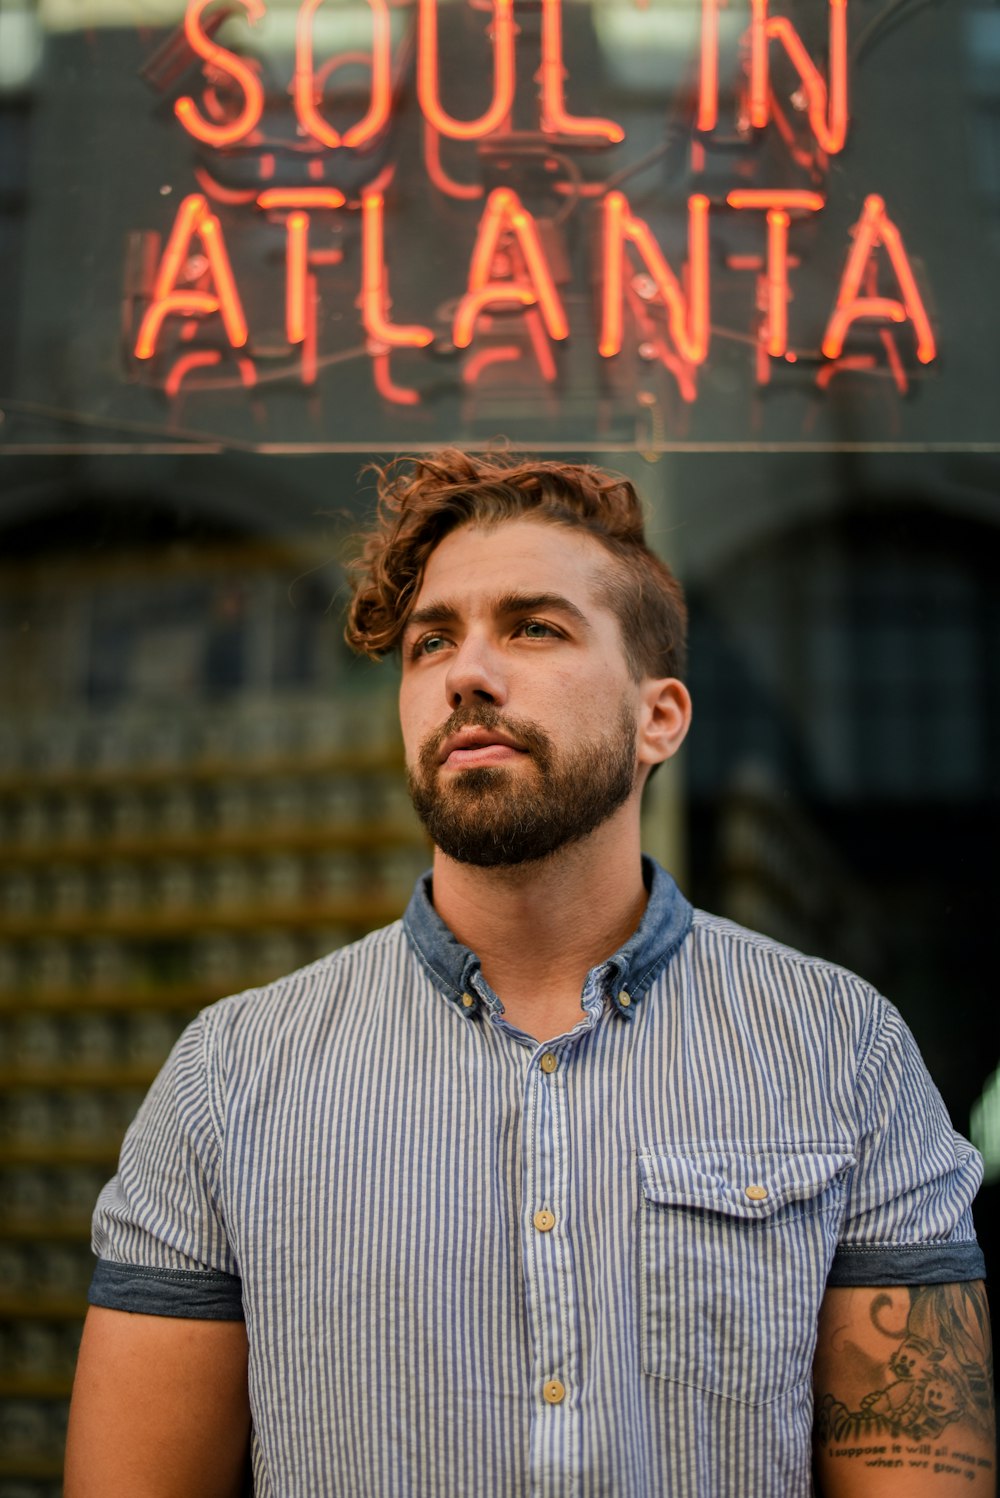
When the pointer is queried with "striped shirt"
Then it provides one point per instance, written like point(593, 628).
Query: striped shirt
point(469, 1262)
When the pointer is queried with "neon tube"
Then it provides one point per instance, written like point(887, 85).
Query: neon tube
point(304, 88)
point(241, 73)
point(687, 316)
point(502, 42)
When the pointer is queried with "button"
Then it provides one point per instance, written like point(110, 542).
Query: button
point(554, 1392)
point(467, 1001)
point(549, 1062)
point(544, 1221)
point(624, 999)
point(756, 1193)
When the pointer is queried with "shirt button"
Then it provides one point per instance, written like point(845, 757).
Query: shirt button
point(554, 1392)
point(544, 1221)
point(624, 999)
point(467, 1001)
point(756, 1193)
point(549, 1062)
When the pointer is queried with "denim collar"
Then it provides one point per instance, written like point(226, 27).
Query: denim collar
point(625, 977)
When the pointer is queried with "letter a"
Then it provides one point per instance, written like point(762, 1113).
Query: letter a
point(193, 218)
point(875, 228)
point(505, 214)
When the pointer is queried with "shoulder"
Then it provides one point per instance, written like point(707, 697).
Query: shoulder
point(717, 936)
point(744, 967)
point(301, 1006)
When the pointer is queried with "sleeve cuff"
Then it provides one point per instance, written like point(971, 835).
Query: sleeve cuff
point(907, 1264)
point(200, 1294)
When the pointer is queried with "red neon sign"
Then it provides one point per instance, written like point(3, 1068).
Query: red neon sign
point(554, 116)
point(206, 359)
point(502, 43)
point(194, 218)
point(375, 284)
point(827, 108)
point(509, 266)
point(201, 359)
point(221, 60)
point(467, 191)
point(779, 207)
point(398, 395)
point(826, 104)
point(875, 228)
point(505, 215)
point(687, 315)
point(297, 246)
point(298, 271)
point(306, 93)
point(708, 92)
point(519, 262)
point(826, 101)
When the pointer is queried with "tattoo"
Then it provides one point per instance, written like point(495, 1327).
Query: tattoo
point(938, 1373)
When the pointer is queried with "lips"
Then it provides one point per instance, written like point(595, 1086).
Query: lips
point(485, 754)
point(478, 746)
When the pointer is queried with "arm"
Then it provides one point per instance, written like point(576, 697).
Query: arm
point(159, 1409)
point(903, 1382)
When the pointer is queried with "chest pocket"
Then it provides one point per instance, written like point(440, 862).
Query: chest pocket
point(735, 1251)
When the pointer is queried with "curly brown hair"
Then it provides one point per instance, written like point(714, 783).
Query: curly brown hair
point(420, 500)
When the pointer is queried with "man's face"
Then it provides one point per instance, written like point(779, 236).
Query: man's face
point(517, 709)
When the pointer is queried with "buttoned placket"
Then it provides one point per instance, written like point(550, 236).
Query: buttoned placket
point(546, 1247)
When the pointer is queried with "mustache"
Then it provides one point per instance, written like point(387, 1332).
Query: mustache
point(482, 715)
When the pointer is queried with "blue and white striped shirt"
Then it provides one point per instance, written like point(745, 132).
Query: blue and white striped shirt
point(470, 1262)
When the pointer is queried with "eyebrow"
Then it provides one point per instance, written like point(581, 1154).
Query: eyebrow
point(443, 612)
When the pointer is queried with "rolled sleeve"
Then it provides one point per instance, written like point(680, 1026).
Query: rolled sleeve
point(908, 1210)
point(159, 1227)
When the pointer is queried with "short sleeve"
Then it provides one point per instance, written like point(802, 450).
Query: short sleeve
point(909, 1197)
point(159, 1229)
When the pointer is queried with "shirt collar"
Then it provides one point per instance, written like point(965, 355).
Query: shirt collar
point(625, 977)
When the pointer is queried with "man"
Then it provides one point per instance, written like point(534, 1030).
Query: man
point(556, 1186)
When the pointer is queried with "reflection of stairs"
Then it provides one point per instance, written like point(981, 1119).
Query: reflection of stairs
point(780, 875)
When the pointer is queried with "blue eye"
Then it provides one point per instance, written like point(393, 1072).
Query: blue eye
point(428, 645)
point(536, 630)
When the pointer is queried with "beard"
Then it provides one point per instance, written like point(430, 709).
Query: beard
point(495, 817)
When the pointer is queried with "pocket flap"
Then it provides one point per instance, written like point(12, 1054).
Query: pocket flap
point(739, 1183)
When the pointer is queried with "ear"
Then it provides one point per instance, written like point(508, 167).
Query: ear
point(664, 719)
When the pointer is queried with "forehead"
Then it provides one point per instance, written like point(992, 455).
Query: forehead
point(477, 562)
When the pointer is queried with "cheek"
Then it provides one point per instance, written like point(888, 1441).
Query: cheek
point(412, 720)
point(558, 704)
point(591, 699)
point(582, 685)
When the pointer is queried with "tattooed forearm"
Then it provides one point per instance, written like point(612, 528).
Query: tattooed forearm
point(904, 1381)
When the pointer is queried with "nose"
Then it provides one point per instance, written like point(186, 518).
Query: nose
point(475, 674)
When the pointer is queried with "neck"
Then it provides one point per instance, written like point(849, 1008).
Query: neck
point(539, 928)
